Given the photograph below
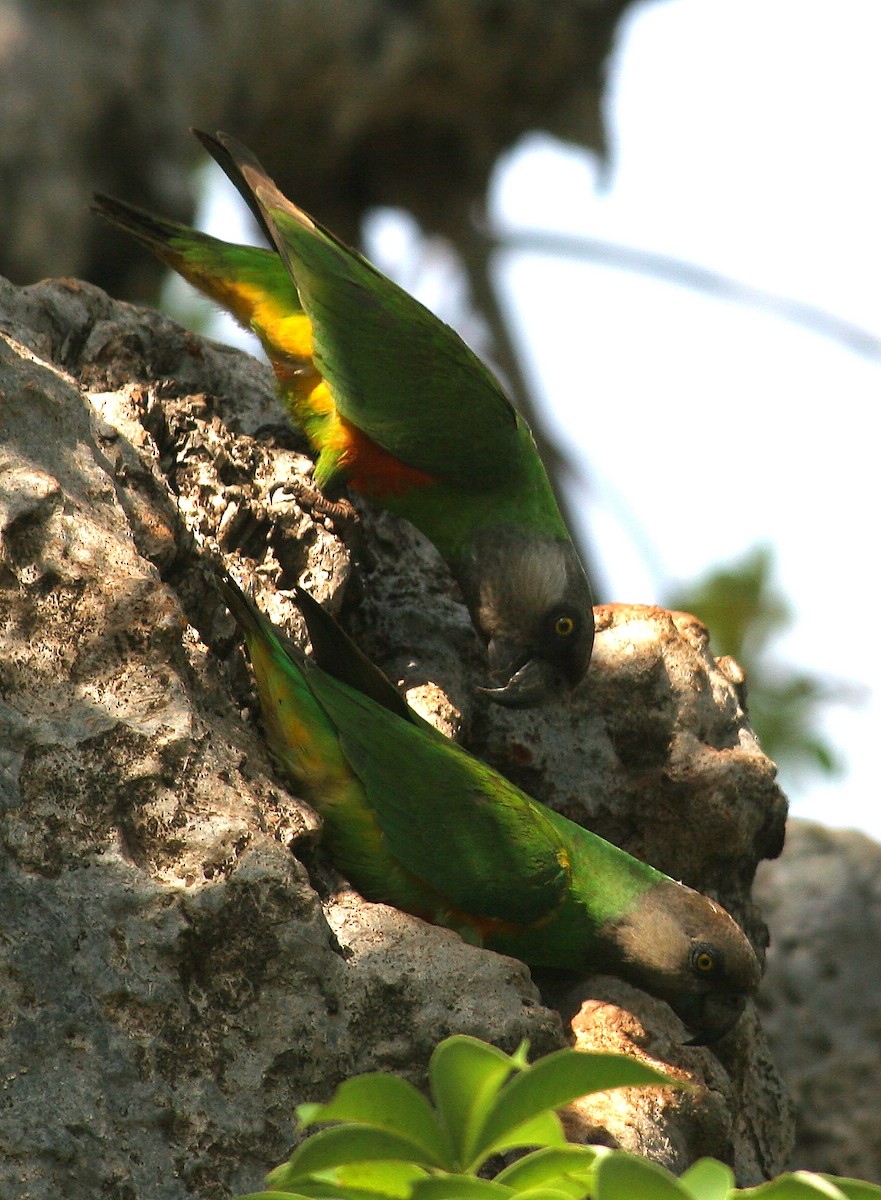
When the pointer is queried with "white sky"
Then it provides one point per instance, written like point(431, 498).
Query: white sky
point(745, 139)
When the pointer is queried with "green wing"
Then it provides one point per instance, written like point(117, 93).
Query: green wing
point(396, 371)
point(451, 820)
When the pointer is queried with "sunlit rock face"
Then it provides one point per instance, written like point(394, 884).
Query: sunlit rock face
point(181, 963)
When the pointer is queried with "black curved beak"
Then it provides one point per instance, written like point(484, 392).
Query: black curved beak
point(708, 1018)
point(537, 680)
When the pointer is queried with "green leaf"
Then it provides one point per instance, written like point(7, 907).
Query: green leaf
point(800, 1185)
point(550, 1193)
point(745, 612)
point(335, 1147)
point(387, 1180)
point(855, 1189)
point(544, 1129)
point(274, 1196)
point(459, 1187)
point(621, 1176)
point(568, 1170)
point(708, 1179)
point(465, 1075)
point(396, 1178)
point(382, 1101)
point(554, 1081)
point(328, 1189)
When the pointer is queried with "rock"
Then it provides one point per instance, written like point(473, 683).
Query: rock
point(181, 963)
point(820, 999)
point(734, 1108)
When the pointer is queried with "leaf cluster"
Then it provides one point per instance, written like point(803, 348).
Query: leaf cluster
point(386, 1141)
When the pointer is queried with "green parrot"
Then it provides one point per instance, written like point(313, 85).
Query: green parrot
point(413, 820)
point(398, 408)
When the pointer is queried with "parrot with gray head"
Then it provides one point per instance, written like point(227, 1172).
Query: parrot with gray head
point(413, 820)
point(400, 410)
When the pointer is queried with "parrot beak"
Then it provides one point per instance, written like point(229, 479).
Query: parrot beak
point(536, 680)
point(708, 1018)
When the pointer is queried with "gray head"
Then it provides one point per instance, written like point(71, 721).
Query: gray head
point(530, 600)
point(686, 949)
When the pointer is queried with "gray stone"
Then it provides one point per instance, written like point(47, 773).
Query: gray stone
point(821, 999)
point(181, 964)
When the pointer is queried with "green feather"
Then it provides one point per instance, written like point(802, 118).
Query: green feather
point(415, 821)
point(397, 405)
point(445, 413)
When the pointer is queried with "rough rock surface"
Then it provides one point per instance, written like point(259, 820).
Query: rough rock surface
point(181, 964)
point(821, 999)
point(731, 1111)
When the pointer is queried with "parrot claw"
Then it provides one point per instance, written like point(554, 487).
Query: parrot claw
point(344, 517)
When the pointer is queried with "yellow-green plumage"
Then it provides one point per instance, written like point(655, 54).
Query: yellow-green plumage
point(415, 821)
point(398, 408)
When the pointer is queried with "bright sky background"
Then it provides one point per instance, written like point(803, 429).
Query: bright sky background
point(745, 139)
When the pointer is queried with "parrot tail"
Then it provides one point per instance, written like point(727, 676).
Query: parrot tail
point(298, 731)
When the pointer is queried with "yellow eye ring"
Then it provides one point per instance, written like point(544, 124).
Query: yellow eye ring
point(704, 961)
point(564, 626)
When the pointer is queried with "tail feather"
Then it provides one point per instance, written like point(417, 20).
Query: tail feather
point(298, 731)
point(231, 164)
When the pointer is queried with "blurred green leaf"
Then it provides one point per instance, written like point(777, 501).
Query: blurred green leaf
point(855, 1189)
point(385, 1102)
point(745, 613)
point(460, 1187)
point(800, 1185)
point(274, 1196)
point(708, 1179)
point(621, 1176)
point(465, 1076)
point(550, 1083)
point(738, 605)
point(384, 1180)
point(568, 1170)
point(342, 1144)
point(804, 1185)
point(392, 1145)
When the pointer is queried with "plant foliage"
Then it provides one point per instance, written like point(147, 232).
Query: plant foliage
point(385, 1141)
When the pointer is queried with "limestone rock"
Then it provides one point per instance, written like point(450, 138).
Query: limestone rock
point(181, 963)
point(820, 999)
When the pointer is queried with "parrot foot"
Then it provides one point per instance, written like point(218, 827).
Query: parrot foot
point(343, 515)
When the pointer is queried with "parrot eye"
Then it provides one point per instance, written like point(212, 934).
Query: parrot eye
point(564, 626)
point(703, 960)
point(562, 641)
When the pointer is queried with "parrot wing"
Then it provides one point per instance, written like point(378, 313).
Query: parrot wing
point(452, 821)
point(337, 654)
point(396, 371)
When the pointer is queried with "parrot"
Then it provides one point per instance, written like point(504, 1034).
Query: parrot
point(413, 820)
point(399, 409)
